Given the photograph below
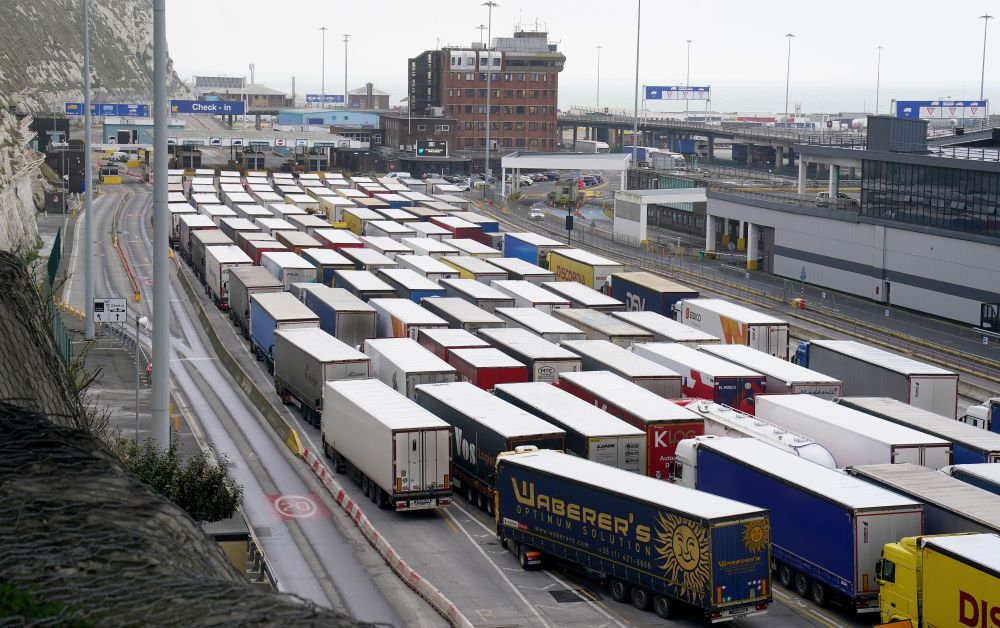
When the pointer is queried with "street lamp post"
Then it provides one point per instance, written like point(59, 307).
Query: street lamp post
point(635, 112)
point(489, 73)
point(347, 38)
point(982, 79)
point(788, 71)
point(599, 77)
point(322, 92)
point(687, 81)
point(88, 182)
point(481, 28)
point(878, 75)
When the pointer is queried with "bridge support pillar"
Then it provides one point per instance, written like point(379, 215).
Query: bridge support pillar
point(574, 138)
point(751, 246)
point(711, 147)
point(709, 233)
point(834, 182)
point(749, 154)
point(256, 122)
point(803, 166)
point(779, 156)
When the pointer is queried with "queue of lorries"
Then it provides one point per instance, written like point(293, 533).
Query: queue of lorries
point(613, 421)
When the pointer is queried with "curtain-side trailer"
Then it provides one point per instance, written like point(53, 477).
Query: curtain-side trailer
point(402, 318)
point(243, 283)
point(461, 314)
point(602, 355)
point(341, 314)
point(643, 291)
point(403, 364)
point(736, 325)
point(781, 376)
point(666, 329)
point(601, 326)
point(545, 360)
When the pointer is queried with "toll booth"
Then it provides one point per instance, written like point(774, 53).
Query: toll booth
point(188, 158)
point(110, 175)
point(312, 159)
point(127, 136)
point(250, 160)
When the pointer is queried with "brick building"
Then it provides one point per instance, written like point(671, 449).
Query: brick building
point(525, 68)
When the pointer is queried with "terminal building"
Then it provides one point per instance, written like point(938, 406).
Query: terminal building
point(925, 234)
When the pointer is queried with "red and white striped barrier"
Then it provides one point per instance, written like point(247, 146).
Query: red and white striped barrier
point(410, 578)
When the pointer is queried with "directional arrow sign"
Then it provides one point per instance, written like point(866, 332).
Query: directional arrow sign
point(110, 310)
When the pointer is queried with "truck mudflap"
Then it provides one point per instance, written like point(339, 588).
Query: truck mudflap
point(737, 612)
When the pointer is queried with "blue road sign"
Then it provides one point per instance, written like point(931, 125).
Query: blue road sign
point(108, 109)
point(329, 99)
point(942, 109)
point(678, 92)
point(206, 107)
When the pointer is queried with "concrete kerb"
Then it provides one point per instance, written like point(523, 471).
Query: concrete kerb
point(445, 607)
point(285, 431)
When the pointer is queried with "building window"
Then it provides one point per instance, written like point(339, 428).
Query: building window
point(507, 77)
point(519, 142)
point(471, 61)
point(482, 76)
point(441, 127)
point(508, 126)
point(520, 76)
point(482, 93)
point(508, 93)
point(482, 109)
point(495, 76)
point(467, 125)
point(519, 110)
point(508, 142)
point(532, 111)
point(469, 93)
point(469, 109)
point(470, 76)
point(421, 127)
point(518, 126)
point(545, 77)
point(508, 110)
point(532, 126)
point(495, 109)
point(467, 141)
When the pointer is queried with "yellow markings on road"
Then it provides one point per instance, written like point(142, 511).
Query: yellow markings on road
point(451, 524)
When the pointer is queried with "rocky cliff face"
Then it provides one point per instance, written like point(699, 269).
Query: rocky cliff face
point(41, 52)
point(20, 186)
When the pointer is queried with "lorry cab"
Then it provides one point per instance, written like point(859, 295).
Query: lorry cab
point(898, 570)
point(983, 415)
point(684, 470)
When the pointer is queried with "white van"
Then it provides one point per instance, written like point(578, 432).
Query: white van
point(398, 175)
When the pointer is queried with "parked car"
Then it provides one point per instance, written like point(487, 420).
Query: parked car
point(538, 176)
point(843, 200)
point(589, 180)
point(551, 175)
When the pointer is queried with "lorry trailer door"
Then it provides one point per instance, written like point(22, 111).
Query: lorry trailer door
point(409, 461)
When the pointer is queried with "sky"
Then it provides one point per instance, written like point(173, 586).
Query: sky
point(930, 49)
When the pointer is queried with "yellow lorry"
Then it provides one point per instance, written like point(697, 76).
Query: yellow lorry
point(941, 580)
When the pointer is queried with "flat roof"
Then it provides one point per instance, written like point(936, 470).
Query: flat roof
point(660, 325)
point(925, 421)
point(530, 291)
point(537, 321)
point(367, 256)
point(580, 293)
point(410, 279)
point(287, 259)
point(523, 341)
point(586, 257)
point(769, 365)
point(521, 267)
point(474, 265)
point(569, 410)
point(485, 357)
point(448, 337)
point(734, 311)
point(473, 288)
point(645, 405)
point(983, 549)
point(684, 358)
point(652, 282)
point(321, 345)
point(496, 414)
point(363, 280)
point(407, 311)
point(880, 357)
point(407, 355)
point(620, 359)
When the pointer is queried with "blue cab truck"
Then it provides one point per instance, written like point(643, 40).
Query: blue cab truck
point(984, 475)
point(827, 528)
point(653, 543)
point(410, 284)
point(530, 247)
point(643, 291)
point(271, 311)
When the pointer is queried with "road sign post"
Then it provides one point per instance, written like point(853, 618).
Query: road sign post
point(109, 310)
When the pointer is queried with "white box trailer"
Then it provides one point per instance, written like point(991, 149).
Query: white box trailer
point(475, 268)
point(176, 211)
point(461, 314)
point(388, 229)
point(386, 246)
point(219, 260)
point(402, 318)
point(871, 372)
point(427, 266)
point(519, 269)
point(545, 360)
point(601, 326)
point(601, 355)
point(430, 247)
point(368, 259)
point(782, 376)
point(591, 433)
point(473, 248)
point(397, 451)
point(582, 297)
point(736, 325)
point(666, 329)
point(305, 359)
point(271, 226)
point(188, 224)
point(288, 267)
point(403, 364)
point(527, 294)
point(201, 240)
point(541, 323)
point(477, 293)
point(245, 282)
point(428, 230)
point(253, 212)
point(853, 437)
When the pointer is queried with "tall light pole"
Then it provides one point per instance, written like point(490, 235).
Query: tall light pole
point(160, 415)
point(347, 38)
point(481, 28)
point(635, 113)
point(88, 182)
point(489, 73)
point(982, 79)
point(252, 67)
point(878, 75)
point(322, 95)
point(687, 81)
point(599, 77)
point(788, 70)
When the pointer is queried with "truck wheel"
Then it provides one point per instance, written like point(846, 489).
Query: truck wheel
point(640, 598)
point(489, 506)
point(802, 584)
point(818, 594)
point(619, 590)
point(469, 495)
point(522, 557)
point(664, 606)
point(786, 576)
point(326, 451)
point(373, 490)
point(480, 501)
point(364, 485)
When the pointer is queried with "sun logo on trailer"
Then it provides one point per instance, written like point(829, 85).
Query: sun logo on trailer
point(683, 547)
point(756, 535)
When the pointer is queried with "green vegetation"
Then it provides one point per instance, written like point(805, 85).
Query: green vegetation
point(21, 605)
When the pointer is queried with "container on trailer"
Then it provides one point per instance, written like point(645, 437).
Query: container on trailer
point(473, 248)
point(398, 214)
point(706, 376)
point(602, 355)
point(176, 211)
point(643, 291)
point(255, 249)
point(429, 230)
point(483, 428)
point(664, 422)
point(582, 297)
point(853, 437)
point(392, 200)
point(521, 270)
point(356, 217)
point(363, 284)
point(410, 284)
point(487, 224)
point(486, 367)
point(341, 314)
point(426, 266)
point(402, 318)
point(272, 226)
point(728, 577)
point(252, 212)
point(600, 326)
point(403, 364)
point(462, 229)
point(245, 282)
point(273, 311)
point(424, 214)
point(545, 360)
point(337, 239)
point(461, 314)
point(244, 237)
point(781, 376)
point(308, 223)
point(591, 433)
point(477, 293)
point(283, 211)
point(367, 259)
point(297, 240)
point(541, 323)
point(188, 224)
point(533, 248)
point(288, 267)
point(950, 505)
point(441, 341)
point(736, 325)
point(969, 444)
point(667, 329)
point(869, 371)
point(216, 212)
point(984, 475)
point(475, 268)
point(219, 261)
point(326, 261)
point(386, 246)
point(333, 207)
point(527, 294)
point(388, 229)
point(583, 267)
point(380, 438)
point(200, 240)
point(305, 360)
point(302, 201)
point(430, 247)
point(827, 530)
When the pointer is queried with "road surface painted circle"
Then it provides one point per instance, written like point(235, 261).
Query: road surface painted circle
point(295, 506)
